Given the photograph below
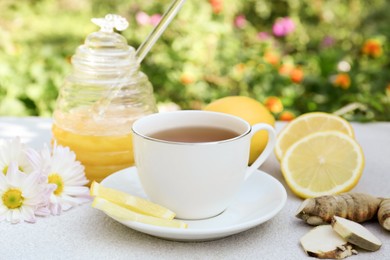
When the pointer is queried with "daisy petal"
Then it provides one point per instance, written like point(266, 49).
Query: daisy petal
point(69, 201)
point(77, 191)
point(31, 181)
point(3, 209)
point(42, 211)
point(34, 158)
point(14, 176)
point(28, 214)
point(14, 216)
point(3, 182)
point(55, 208)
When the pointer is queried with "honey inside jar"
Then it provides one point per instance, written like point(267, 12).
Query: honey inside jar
point(99, 147)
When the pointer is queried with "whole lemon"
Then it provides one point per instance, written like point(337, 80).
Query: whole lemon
point(250, 110)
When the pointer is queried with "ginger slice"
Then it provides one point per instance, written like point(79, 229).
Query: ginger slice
point(355, 234)
point(324, 242)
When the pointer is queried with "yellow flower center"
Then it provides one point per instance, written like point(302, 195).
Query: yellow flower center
point(13, 198)
point(56, 179)
point(5, 169)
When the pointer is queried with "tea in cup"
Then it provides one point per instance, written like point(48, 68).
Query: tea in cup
point(194, 162)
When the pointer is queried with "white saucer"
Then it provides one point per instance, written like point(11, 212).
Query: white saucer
point(261, 197)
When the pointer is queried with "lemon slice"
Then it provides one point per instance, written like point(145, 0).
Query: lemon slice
point(128, 201)
point(323, 163)
point(122, 213)
point(306, 124)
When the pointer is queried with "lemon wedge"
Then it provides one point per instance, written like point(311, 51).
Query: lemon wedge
point(306, 124)
point(122, 213)
point(323, 163)
point(128, 201)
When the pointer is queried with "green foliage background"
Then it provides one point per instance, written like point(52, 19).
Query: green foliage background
point(204, 55)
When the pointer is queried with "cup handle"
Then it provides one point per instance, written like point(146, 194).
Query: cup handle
point(268, 149)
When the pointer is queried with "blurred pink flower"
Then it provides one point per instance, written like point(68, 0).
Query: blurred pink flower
point(328, 41)
point(142, 18)
point(155, 19)
point(283, 27)
point(240, 21)
point(263, 36)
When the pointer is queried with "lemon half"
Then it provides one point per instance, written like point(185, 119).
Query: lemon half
point(323, 163)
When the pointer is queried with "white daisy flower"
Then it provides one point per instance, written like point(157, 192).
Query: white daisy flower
point(63, 170)
point(13, 150)
point(23, 196)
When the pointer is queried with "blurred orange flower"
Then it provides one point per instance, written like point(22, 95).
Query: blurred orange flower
point(372, 48)
point(186, 79)
point(296, 75)
point(217, 6)
point(285, 69)
point(272, 58)
point(239, 68)
point(342, 80)
point(274, 104)
point(286, 116)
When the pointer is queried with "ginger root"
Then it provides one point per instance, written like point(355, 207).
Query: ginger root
point(358, 207)
point(384, 214)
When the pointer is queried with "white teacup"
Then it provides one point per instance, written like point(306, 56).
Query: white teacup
point(196, 180)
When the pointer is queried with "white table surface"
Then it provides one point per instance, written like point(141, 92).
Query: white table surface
point(86, 233)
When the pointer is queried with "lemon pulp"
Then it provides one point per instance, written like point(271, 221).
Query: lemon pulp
point(323, 163)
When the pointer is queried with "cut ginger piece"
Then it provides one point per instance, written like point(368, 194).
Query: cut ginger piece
point(130, 202)
point(356, 234)
point(324, 242)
